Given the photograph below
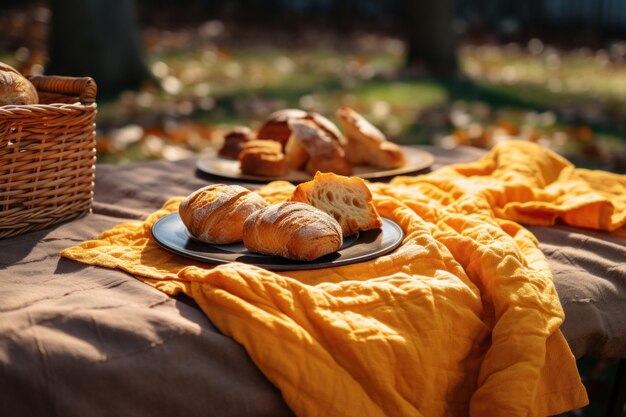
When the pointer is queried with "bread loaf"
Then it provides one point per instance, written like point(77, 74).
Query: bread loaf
point(348, 200)
point(366, 144)
point(292, 230)
point(216, 213)
point(325, 154)
point(262, 158)
point(295, 152)
point(296, 155)
point(327, 126)
point(234, 142)
point(276, 126)
point(15, 88)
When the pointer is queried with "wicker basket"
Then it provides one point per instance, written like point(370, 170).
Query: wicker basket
point(47, 155)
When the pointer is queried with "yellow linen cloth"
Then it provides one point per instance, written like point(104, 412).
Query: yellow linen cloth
point(462, 319)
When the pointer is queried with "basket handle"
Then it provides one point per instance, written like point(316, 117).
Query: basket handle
point(84, 87)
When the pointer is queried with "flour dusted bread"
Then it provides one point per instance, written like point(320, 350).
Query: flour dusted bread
point(327, 126)
point(325, 153)
point(15, 88)
point(262, 158)
point(348, 200)
point(216, 213)
point(292, 230)
point(366, 144)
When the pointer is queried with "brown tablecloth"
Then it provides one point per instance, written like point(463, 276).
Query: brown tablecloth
point(80, 340)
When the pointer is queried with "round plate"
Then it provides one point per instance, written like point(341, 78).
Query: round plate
point(211, 163)
point(170, 233)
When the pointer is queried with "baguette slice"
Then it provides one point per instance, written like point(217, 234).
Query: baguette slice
point(366, 144)
point(347, 199)
point(292, 230)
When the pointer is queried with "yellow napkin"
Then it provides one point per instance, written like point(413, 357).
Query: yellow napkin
point(462, 319)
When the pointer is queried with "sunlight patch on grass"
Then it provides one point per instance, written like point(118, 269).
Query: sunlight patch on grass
point(409, 93)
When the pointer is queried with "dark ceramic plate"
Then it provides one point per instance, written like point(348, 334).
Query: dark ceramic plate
point(171, 234)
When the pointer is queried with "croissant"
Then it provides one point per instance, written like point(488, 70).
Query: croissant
point(216, 213)
point(292, 230)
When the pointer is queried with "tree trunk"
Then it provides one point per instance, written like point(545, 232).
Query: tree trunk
point(100, 39)
point(430, 40)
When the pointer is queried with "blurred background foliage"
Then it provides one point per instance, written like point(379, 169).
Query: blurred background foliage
point(547, 71)
point(173, 76)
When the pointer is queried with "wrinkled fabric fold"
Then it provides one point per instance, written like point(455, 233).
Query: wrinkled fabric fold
point(461, 319)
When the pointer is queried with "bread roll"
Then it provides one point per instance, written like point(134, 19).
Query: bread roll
point(216, 213)
point(366, 144)
point(262, 158)
point(348, 200)
point(234, 142)
point(15, 88)
point(325, 154)
point(292, 230)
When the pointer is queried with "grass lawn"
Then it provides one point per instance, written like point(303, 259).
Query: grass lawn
point(572, 101)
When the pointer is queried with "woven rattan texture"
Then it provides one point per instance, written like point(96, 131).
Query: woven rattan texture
point(47, 156)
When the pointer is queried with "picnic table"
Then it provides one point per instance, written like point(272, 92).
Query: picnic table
point(84, 340)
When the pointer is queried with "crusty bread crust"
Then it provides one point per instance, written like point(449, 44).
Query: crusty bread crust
point(276, 125)
point(262, 158)
point(216, 213)
point(296, 155)
point(325, 154)
point(366, 144)
point(348, 200)
point(15, 88)
point(327, 126)
point(292, 230)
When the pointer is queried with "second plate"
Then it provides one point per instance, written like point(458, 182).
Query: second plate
point(211, 163)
